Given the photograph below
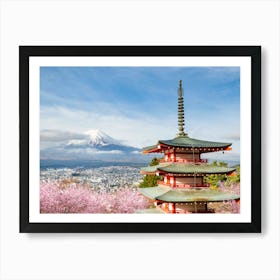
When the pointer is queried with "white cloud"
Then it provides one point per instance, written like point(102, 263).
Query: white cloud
point(89, 151)
point(136, 152)
point(139, 130)
point(220, 156)
point(136, 131)
point(114, 152)
point(235, 136)
point(51, 135)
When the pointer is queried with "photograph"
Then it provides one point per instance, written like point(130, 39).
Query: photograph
point(140, 140)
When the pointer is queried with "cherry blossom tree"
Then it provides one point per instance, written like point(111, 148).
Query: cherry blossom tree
point(56, 198)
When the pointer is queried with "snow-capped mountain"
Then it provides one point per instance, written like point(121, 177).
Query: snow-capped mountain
point(94, 138)
point(99, 138)
point(93, 144)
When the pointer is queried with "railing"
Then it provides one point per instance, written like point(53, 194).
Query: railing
point(192, 186)
point(179, 160)
point(205, 185)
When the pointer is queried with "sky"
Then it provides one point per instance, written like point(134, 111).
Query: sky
point(138, 105)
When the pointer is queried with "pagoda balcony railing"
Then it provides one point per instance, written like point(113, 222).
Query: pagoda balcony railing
point(204, 185)
point(179, 160)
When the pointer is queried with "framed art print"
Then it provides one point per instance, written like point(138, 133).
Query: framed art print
point(140, 138)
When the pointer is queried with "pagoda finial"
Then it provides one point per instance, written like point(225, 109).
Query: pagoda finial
point(181, 118)
point(180, 88)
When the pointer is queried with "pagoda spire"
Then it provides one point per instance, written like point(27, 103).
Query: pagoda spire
point(181, 117)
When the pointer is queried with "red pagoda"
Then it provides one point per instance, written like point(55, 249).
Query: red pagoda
point(183, 188)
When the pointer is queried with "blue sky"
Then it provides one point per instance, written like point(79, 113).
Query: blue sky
point(138, 105)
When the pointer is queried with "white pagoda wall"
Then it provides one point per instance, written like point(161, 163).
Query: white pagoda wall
point(189, 180)
point(187, 156)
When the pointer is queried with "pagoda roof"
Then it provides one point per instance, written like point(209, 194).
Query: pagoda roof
point(168, 194)
point(187, 168)
point(186, 142)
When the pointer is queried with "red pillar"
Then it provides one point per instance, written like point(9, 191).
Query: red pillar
point(172, 207)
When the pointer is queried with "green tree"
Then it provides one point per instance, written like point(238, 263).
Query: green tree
point(154, 161)
point(214, 179)
point(235, 178)
point(151, 180)
point(226, 179)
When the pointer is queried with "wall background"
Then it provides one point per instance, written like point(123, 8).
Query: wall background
point(139, 256)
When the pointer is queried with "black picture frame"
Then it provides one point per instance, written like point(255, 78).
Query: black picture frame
point(254, 52)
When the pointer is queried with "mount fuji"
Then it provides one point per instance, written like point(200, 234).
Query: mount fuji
point(92, 145)
point(94, 138)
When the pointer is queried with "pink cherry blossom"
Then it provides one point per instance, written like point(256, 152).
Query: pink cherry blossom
point(56, 198)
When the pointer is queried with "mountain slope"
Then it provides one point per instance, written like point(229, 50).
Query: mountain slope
point(95, 145)
point(93, 138)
